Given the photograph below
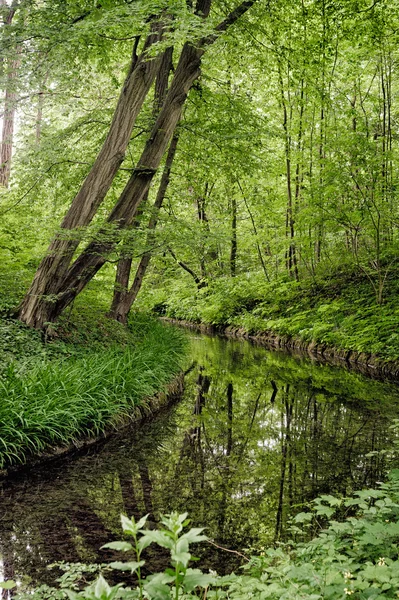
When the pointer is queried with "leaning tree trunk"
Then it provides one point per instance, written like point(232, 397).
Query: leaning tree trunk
point(122, 215)
point(124, 266)
point(53, 268)
point(39, 306)
point(124, 298)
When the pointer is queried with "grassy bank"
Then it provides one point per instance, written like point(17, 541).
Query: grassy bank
point(91, 378)
point(339, 310)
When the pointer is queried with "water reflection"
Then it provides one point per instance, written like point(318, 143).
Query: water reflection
point(257, 435)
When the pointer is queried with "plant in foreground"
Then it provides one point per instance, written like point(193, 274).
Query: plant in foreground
point(180, 580)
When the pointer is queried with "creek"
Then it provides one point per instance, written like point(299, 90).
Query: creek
point(257, 435)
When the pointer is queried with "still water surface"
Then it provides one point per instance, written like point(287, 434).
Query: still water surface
point(257, 435)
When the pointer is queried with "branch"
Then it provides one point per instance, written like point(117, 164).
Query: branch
point(240, 10)
point(199, 282)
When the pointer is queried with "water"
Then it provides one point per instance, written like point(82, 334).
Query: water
point(257, 435)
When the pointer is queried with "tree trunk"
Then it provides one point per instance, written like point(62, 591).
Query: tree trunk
point(7, 135)
point(124, 299)
point(291, 259)
point(233, 247)
point(125, 262)
point(199, 282)
point(39, 114)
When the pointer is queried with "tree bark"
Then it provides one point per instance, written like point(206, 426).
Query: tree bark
point(124, 299)
point(7, 135)
point(123, 270)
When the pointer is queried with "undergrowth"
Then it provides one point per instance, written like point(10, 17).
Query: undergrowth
point(55, 393)
point(339, 310)
point(353, 554)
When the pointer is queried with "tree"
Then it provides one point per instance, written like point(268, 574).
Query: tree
point(11, 66)
point(56, 284)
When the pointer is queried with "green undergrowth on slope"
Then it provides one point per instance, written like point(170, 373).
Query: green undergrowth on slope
point(339, 310)
point(90, 378)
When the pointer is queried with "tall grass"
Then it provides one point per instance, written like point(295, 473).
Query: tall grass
point(61, 401)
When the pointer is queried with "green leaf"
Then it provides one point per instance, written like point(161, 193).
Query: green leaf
point(194, 536)
point(157, 588)
point(130, 526)
point(127, 566)
point(7, 585)
point(303, 517)
point(144, 542)
point(181, 557)
point(159, 537)
point(72, 595)
point(331, 500)
point(101, 588)
point(122, 546)
point(195, 578)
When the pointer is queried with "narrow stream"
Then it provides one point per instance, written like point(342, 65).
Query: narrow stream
point(257, 435)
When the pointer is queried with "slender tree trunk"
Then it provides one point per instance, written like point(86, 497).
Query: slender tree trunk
point(233, 247)
point(291, 258)
point(40, 104)
point(54, 287)
point(7, 134)
point(255, 230)
point(124, 299)
point(203, 219)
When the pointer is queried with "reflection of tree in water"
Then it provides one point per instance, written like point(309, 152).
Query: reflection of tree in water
point(257, 436)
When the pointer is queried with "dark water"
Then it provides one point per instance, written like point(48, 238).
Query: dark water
point(257, 435)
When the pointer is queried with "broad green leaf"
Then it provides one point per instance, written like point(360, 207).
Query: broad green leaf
point(303, 517)
point(157, 588)
point(122, 546)
point(194, 535)
point(195, 578)
point(159, 537)
point(181, 557)
point(102, 589)
point(127, 566)
point(7, 585)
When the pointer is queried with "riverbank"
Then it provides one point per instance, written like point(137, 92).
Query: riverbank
point(94, 378)
point(363, 362)
point(149, 408)
point(336, 319)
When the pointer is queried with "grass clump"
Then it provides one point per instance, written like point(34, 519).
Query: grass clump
point(62, 398)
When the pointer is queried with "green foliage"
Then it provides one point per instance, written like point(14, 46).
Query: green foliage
point(338, 311)
point(354, 553)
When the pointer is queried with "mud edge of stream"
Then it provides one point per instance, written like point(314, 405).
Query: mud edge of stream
point(368, 364)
